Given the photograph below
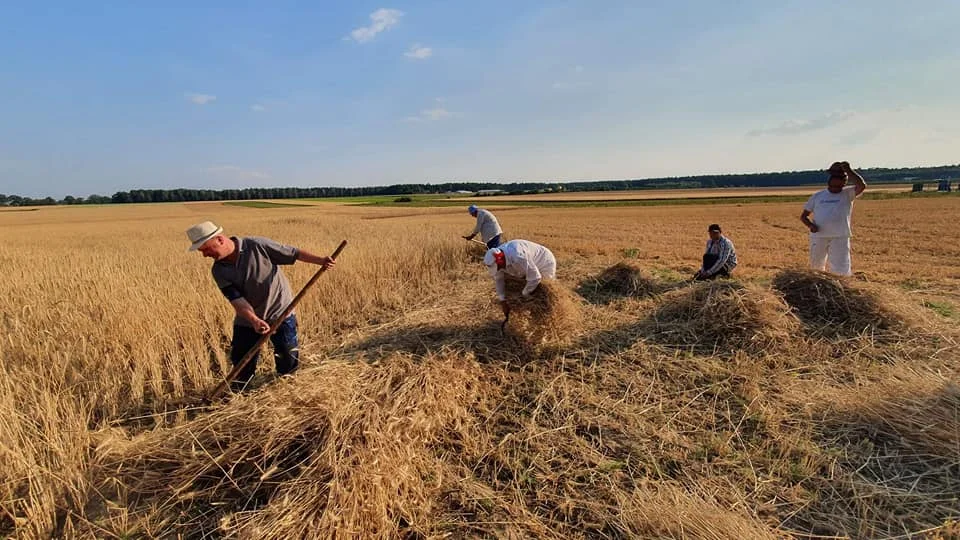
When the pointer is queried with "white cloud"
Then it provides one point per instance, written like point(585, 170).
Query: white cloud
point(438, 113)
point(237, 172)
point(572, 81)
point(432, 115)
point(419, 52)
point(263, 105)
point(199, 99)
point(381, 20)
point(859, 137)
point(569, 85)
point(794, 127)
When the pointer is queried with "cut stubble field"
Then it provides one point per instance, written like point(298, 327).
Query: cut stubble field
point(723, 410)
point(687, 193)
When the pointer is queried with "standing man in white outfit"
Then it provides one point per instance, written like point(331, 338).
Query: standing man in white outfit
point(830, 227)
point(521, 259)
point(487, 225)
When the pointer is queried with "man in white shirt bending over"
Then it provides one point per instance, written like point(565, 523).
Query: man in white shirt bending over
point(830, 227)
point(521, 259)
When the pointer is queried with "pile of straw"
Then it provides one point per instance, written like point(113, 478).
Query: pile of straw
point(723, 316)
point(915, 412)
point(900, 449)
point(837, 306)
point(475, 252)
point(622, 280)
point(550, 315)
point(343, 450)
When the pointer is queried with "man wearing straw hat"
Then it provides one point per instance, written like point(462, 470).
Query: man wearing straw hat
point(487, 226)
point(247, 271)
point(521, 259)
point(830, 227)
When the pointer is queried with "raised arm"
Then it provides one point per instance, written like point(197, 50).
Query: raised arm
point(861, 184)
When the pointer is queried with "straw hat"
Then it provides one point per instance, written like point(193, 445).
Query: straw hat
point(201, 232)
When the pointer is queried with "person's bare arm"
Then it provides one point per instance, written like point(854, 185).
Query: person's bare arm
point(306, 256)
point(861, 184)
point(245, 310)
point(805, 218)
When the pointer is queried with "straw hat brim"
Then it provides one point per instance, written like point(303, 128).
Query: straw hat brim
point(196, 245)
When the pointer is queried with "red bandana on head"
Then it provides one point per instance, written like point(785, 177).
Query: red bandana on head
point(499, 258)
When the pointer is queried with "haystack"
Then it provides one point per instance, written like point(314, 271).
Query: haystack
point(838, 306)
point(723, 316)
point(346, 447)
point(898, 434)
point(551, 315)
point(621, 280)
point(913, 410)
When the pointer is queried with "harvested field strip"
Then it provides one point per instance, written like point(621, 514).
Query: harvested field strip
point(698, 410)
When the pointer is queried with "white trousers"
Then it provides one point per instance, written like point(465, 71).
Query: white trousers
point(834, 250)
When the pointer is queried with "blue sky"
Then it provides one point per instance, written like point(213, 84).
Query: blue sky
point(97, 97)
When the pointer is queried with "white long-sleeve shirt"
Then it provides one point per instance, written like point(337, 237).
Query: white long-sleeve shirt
point(487, 225)
point(525, 260)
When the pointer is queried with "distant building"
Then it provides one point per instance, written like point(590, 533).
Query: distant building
point(484, 192)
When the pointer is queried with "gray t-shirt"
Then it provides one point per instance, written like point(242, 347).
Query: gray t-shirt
point(256, 276)
point(487, 225)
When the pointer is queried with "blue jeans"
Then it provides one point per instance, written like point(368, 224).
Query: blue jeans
point(286, 350)
point(493, 242)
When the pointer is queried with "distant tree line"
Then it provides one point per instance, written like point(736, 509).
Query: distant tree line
point(792, 178)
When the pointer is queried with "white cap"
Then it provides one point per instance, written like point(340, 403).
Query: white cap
point(490, 259)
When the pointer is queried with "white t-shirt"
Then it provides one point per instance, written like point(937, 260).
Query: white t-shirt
point(831, 212)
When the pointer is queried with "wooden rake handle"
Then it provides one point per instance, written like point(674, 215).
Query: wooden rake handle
point(273, 328)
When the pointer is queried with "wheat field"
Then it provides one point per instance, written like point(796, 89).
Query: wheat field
point(721, 410)
point(678, 193)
